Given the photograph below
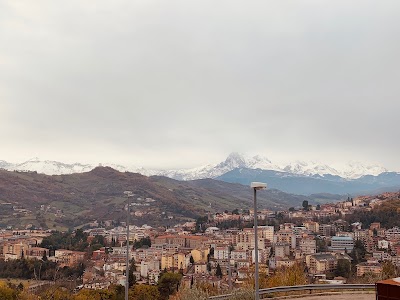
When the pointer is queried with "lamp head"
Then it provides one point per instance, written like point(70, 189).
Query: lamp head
point(258, 185)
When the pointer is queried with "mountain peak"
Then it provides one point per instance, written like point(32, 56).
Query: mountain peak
point(350, 170)
point(34, 159)
point(235, 159)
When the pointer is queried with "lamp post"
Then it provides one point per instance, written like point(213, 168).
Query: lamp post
point(128, 195)
point(256, 186)
point(229, 268)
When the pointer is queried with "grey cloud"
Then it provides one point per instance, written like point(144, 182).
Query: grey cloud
point(177, 83)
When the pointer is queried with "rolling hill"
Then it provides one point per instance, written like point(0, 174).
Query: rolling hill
point(76, 199)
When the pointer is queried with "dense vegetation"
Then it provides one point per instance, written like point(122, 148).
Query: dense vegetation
point(77, 241)
point(388, 214)
point(143, 242)
point(37, 269)
point(168, 285)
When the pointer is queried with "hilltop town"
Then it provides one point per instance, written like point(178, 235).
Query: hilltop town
point(218, 249)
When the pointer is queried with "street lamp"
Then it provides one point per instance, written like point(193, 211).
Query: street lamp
point(229, 268)
point(128, 195)
point(256, 186)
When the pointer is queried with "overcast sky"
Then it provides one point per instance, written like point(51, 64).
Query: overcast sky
point(181, 83)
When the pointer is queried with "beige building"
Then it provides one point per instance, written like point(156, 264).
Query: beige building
point(200, 268)
point(182, 260)
point(37, 252)
point(308, 246)
point(369, 267)
point(312, 226)
point(167, 261)
point(68, 258)
point(286, 236)
point(200, 255)
point(187, 241)
point(321, 263)
point(15, 250)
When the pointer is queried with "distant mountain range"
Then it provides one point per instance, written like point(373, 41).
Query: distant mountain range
point(298, 177)
point(67, 201)
point(306, 185)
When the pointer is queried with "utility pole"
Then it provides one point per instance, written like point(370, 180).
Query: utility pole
point(256, 285)
point(128, 195)
point(256, 186)
point(229, 268)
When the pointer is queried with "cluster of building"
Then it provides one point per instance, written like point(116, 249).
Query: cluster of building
point(215, 253)
point(24, 244)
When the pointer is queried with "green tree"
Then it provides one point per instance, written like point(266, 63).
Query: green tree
point(200, 222)
point(208, 267)
point(99, 239)
point(343, 268)
point(143, 242)
point(358, 252)
point(168, 284)
point(321, 245)
point(305, 205)
point(132, 268)
point(218, 271)
point(44, 257)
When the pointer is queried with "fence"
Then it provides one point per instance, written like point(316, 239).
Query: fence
point(309, 287)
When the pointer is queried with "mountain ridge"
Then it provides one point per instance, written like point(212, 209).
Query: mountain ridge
point(298, 177)
point(77, 199)
point(351, 170)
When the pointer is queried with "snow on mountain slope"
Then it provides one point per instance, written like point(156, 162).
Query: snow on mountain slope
point(50, 167)
point(352, 170)
point(5, 165)
point(233, 161)
point(355, 169)
point(309, 168)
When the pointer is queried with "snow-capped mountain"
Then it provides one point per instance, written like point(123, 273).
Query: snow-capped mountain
point(233, 161)
point(309, 168)
point(352, 170)
point(50, 167)
point(4, 164)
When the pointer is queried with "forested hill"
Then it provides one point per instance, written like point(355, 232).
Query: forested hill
point(73, 200)
point(387, 212)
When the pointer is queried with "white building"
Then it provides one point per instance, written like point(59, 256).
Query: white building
point(342, 243)
point(221, 253)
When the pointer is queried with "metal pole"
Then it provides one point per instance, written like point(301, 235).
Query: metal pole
point(127, 250)
point(229, 269)
point(256, 287)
